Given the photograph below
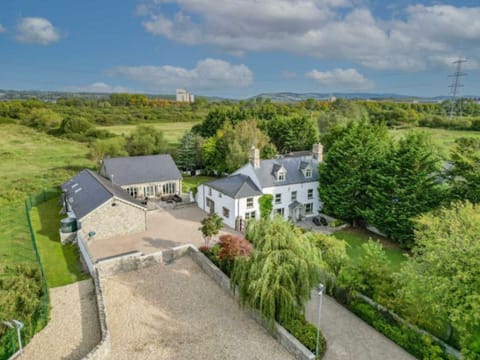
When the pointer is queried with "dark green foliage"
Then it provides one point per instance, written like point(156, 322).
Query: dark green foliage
point(211, 226)
point(464, 176)
point(292, 133)
point(75, 125)
point(22, 297)
point(145, 140)
point(189, 155)
point(277, 277)
point(266, 205)
point(306, 333)
point(404, 184)
point(353, 153)
point(421, 346)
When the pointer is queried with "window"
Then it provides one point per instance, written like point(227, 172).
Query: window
point(308, 172)
point(280, 211)
point(250, 215)
point(219, 194)
point(308, 208)
point(225, 212)
point(149, 191)
point(310, 194)
point(294, 195)
point(249, 203)
point(281, 176)
point(210, 191)
point(278, 198)
point(169, 188)
point(133, 191)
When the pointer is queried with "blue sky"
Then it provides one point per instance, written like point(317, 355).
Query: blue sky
point(239, 48)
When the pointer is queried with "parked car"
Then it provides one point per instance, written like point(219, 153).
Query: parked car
point(320, 221)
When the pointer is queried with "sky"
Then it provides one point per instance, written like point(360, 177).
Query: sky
point(239, 48)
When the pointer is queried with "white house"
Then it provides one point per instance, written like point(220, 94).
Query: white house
point(292, 180)
point(184, 96)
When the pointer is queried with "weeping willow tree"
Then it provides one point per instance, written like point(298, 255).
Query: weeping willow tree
point(278, 276)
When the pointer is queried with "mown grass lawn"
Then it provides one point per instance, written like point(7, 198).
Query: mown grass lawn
point(190, 182)
point(61, 263)
point(356, 237)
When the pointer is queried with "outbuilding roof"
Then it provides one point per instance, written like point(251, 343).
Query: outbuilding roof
point(86, 191)
point(235, 186)
point(140, 169)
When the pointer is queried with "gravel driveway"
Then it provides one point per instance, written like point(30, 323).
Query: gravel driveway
point(73, 329)
point(349, 337)
point(177, 312)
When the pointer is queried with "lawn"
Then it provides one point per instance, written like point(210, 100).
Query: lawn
point(30, 162)
point(442, 138)
point(190, 182)
point(172, 131)
point(356, 237)
point(61, 263)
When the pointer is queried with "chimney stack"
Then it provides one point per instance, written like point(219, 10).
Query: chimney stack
point(254, 157)
point(317, 152)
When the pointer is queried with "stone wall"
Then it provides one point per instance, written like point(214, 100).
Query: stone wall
point(287, 340)
point(102, 350)
point(114, 217)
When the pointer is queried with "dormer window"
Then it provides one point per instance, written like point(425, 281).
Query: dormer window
point(308, 173)
point(281, 176)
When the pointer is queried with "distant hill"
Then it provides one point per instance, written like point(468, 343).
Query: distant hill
point(294, 97)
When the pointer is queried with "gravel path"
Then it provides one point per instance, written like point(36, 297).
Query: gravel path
point(177, 312)
point(73, 329)
point(350, 338)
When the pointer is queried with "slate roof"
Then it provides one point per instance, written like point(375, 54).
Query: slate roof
point(140, 169)
point(235, 186)
point(86, 191)
point(264, 176)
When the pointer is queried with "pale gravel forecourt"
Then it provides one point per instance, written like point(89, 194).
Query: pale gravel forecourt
point(177, 312)
point(73, 330)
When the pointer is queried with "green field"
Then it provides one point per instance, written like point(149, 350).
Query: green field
point(189, 182)
point(172, 131)
point(30, 162)
point(442, 138)
point(356, 237)
point(61, 263)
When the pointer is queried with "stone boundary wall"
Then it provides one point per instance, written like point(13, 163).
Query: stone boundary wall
point(287, 340)
point(102, 350)
point(85, 254)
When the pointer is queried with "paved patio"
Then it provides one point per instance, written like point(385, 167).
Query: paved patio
point(177, 312)
point(166, 228)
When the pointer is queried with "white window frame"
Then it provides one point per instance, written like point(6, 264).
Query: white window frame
point(133, 191)
point(293, 198)
point(278, 198)
point(225, 212)
point(250, 215)
point(280, 211)
point(308, 173)
point(308, 212)
point(249, 202)
point(169, 188)
point(281, 176)
point(310, 194)
point(149, 190)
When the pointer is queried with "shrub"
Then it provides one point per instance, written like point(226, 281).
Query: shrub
point(306, 333)
point(232, 246)
point(336, 223)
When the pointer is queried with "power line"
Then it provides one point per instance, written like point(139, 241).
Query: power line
point(456, 85)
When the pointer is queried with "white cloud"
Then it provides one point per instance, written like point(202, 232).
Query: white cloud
point(2, 29)
point(349, 79)
point(36, 30)
point(326, 29)
point(99, 87)
point(207, 74)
